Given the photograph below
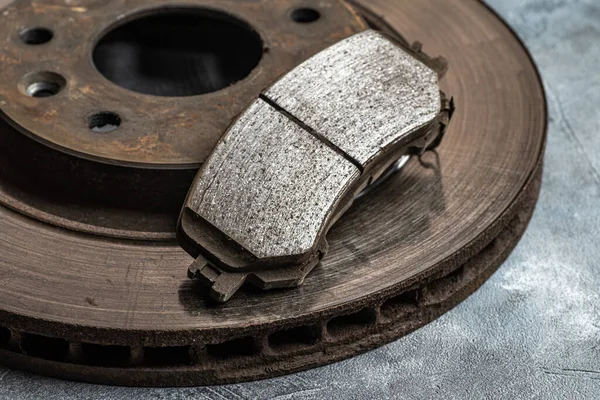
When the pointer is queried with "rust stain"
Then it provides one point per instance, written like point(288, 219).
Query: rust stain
point(145, 146)
point(44, 8)
point(48, 116)
point(87, 89)
point(6, 59)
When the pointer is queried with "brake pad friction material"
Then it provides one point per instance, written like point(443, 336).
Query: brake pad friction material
point(363, 94)
point(292, 163)
point(269, 185)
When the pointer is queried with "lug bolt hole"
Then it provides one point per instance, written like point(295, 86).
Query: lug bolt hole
point(103, 122)
point(305, 15)
point(35, 36)
point(41, 84)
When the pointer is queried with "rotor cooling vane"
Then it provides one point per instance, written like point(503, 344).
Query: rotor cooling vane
point(109, 108)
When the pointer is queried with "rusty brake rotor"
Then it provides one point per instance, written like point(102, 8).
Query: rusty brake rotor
point(101, 137)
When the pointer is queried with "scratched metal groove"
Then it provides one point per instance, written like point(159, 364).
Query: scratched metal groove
point(425, 224)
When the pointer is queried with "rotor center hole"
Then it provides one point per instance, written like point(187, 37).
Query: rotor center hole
point(182, 52)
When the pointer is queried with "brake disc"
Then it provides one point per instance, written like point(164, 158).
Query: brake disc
point(110, 107)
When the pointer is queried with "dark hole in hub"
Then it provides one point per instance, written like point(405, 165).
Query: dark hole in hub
point(41, 84)
point(43, 89)
point(182, 52)
point(305, 15)
point(35, 36)
point(104, 122)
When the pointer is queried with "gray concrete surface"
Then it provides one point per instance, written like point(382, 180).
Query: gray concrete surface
point(533, 330)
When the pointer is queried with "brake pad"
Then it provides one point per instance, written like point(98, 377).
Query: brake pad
point(292, 163)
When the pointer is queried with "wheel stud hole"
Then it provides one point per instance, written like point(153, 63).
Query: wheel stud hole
point(42, 84)
point(104, 122)
point(35, 36)
point(43, 89)
point(305, 15)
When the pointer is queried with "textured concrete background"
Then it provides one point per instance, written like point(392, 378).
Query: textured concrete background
point(533, 330)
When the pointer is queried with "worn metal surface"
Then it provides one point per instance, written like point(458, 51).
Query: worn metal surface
point(375, 94)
